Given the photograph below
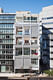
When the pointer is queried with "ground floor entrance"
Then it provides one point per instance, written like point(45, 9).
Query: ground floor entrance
point(6, 69)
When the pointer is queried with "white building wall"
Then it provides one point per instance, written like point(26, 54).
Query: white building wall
point(25, 60)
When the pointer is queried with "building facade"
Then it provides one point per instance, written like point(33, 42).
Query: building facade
point(27, 41)
point(6, 41)
point(46, 36)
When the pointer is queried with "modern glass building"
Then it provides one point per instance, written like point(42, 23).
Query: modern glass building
point(7, 21)
point(46, 32)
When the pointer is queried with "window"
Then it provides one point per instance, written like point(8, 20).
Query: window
point(0, 46)
point(34, 52)
point(0, 52)
point(24, 18)
point(34, 61)
point(7, 68)
point(0, 40)
point(2, 56)
point(3, 46)
point(3, 36)
point(19, 41)
point(11, 46)
point(7, 36)
point(26, 31)
point(26, 51)
point(7, 46)
point(33, 18)
point(19, 33)
point(9, 57)
point(9, 51)
point(51, 52)
point(34, 42)
point(44, 45)
point(3, 68)
point(3, 51)
point(19, 51)
point(28, 18)
point(26, 42)
point(2, 62)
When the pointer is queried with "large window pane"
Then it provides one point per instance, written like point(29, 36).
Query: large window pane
point(26, 51)
point(18, 51)
point(26, 31)
point(34, 61)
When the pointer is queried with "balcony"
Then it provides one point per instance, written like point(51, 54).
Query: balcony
point(26, 36)
point(34, 45)
point(34, 53)
point(34, 63)
point(26, 44)
point(35, 67)
point(19, 34)
point(18, 45)
point(32, 21)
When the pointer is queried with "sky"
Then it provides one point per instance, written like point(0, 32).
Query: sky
point(35, 6)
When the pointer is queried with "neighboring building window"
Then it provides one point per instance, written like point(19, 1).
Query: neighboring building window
point(3, 62)
point(0, 40)
point(9, 57)
point(7, 36)
point(3, 51)
point(0, 46)
point(44, 45)
point(2, 56)
point(34, 61)
point(48, 23)
point(9, 46)
point(26, 51)
point(9, 51)
point(26, 31)
point(3, 46)
point(47, 18)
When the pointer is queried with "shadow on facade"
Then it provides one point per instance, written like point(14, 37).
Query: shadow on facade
point(45, 49)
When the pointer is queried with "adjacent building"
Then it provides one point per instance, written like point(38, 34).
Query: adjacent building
point(46, 36)
point(7, 49)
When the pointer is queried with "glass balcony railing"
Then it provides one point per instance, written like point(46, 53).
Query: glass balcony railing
point(19, 33)
point(26, 43)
